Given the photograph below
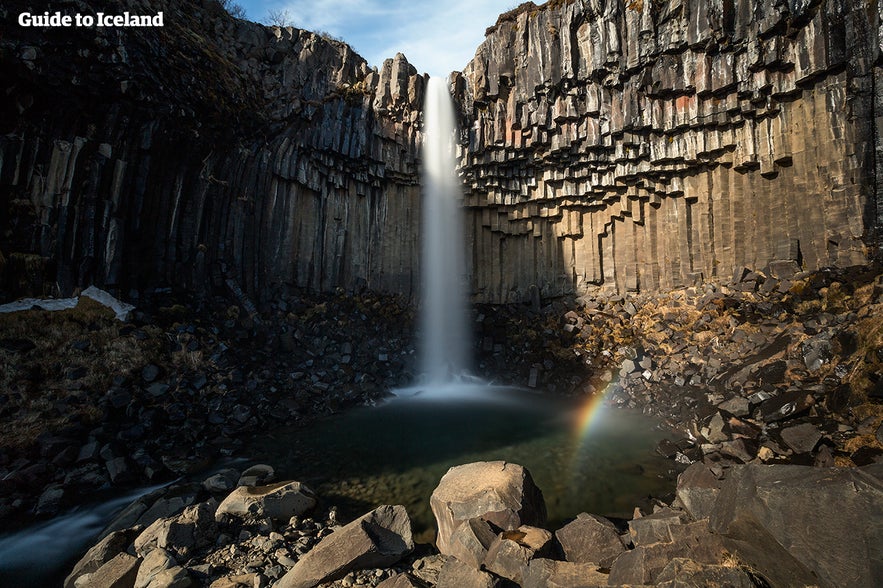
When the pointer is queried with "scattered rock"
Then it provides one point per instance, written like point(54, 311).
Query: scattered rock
point(377, 539)
point(801, 438)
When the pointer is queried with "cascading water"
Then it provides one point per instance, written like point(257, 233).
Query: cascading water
point(445, 342)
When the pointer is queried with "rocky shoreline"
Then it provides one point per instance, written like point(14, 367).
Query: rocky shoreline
point(773, 368)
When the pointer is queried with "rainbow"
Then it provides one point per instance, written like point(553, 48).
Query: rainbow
point(588, 413)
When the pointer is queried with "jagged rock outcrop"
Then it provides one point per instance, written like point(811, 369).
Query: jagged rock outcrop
point(209, 151)
point(651, 144)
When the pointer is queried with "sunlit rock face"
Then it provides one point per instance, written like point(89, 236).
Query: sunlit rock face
point(648, 145)
point(623, 146)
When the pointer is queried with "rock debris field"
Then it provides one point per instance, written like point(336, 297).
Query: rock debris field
point(771, 384)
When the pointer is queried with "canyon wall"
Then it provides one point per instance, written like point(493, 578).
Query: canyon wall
point(646, 145)
point(605, 144)
point(209, 152)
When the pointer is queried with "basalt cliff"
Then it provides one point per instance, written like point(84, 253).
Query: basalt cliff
point(633, 146)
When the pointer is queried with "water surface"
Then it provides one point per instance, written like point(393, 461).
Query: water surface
point(396, 453)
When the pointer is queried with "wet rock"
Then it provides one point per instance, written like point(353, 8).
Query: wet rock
point(257, 475)
point(377, 539)
point(150, 373)
point(590, 539)
point(801, 438)
point(49, 502)
point(279, 501)
point(502, 493)
point(795, 524)
point(222, 482)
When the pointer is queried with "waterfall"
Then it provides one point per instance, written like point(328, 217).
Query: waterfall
point(445, 341)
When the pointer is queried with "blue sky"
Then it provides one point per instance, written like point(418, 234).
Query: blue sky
point(437, 36)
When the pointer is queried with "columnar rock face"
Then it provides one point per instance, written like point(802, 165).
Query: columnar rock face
point(621, 145)
point(650, 144)
point(207, 151)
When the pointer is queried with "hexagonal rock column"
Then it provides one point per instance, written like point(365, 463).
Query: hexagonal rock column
point(501, 493)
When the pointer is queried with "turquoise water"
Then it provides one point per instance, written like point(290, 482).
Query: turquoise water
point(396, 453)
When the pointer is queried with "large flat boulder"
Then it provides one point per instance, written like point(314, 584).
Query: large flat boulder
point(278, 501)
point(377, 539)
point(802, 525)
point(499, 492)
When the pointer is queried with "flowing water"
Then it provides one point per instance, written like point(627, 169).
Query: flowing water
point(443, 310)
point(43, 554)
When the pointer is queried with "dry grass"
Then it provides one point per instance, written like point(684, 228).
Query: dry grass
point(40, 395)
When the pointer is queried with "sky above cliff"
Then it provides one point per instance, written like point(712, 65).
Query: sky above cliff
point(437, 36)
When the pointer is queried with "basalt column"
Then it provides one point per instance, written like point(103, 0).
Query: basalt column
point(649, 145)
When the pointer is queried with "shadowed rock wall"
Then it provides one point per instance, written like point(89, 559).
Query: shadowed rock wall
point(647, 145)
point(208, 150)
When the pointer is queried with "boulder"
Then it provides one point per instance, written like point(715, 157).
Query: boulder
point(181, 534)
point(681, 572)
point(257, 475)
point(176, 577)
point(511, 551)
point(470, 541)
point(377, 539)
point(156, 561)
point(403, 580)
point(804, 525)
point(278, 501)
point(801, 438)
point(119, 572)
point(99, 554)
point(547, 573)
point(643, 564)
point(501, 493)
point(697, 490)
point(590, 539)
point(456, 574)
point(656, 527)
